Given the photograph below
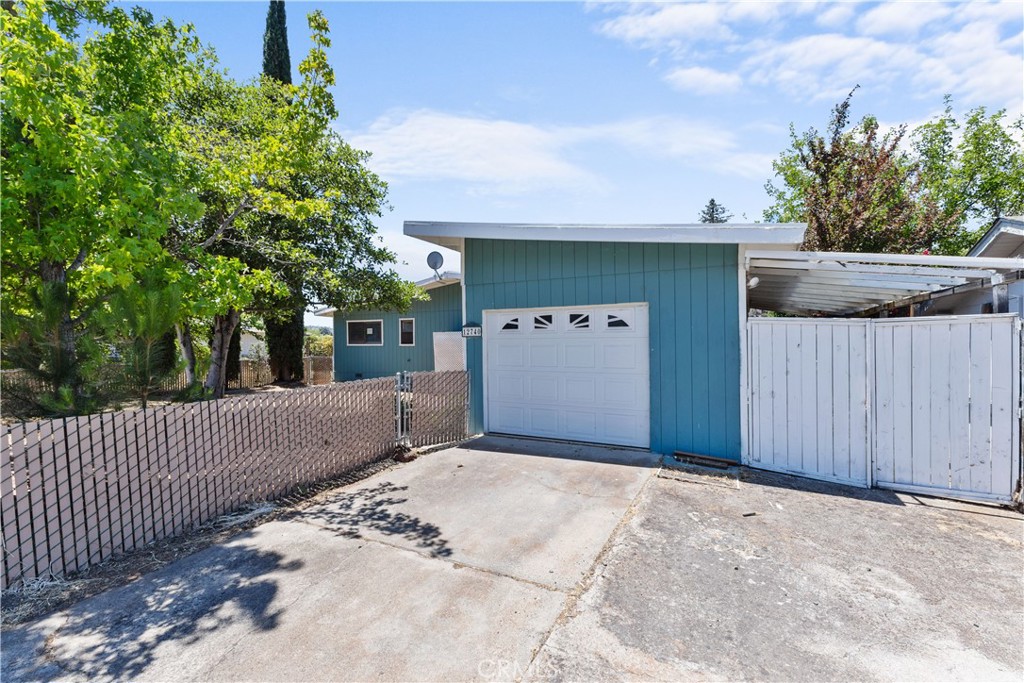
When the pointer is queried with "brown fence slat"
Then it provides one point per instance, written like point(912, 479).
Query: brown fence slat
point(77, 492)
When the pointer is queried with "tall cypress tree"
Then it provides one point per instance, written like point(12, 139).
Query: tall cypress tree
point(276, 61)
point(284, 334)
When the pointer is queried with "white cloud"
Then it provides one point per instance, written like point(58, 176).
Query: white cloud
point(920, 49)
point(509, 158)
point(703, 80)
point(901, 18)
point(505, 156)
point(824, 65)
point(835, 16)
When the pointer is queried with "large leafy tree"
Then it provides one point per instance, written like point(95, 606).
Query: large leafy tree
point(89, 179)
point(857, 189)
point(128, 153)
point(975, 169)
point(286, 201)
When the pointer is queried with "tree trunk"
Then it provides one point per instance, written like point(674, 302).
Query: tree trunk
point(223, 327)
point(284, 345)
point(188, 352)
point(54, 277)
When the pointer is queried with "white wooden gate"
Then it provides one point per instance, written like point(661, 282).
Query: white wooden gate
point(928, 405)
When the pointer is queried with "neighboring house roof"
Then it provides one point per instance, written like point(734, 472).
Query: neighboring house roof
point(451, 235)
point(845, 284)
point(442, 279)
point(1004, 238)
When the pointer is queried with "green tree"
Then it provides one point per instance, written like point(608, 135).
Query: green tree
point(142, 319)
point(277, 63)
point(857, 190)
point(286, 201)
point(284, 321)
point(713, 212)
point(975, 170)
point(89, 181)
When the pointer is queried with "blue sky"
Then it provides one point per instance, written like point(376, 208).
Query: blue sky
point(617, 112)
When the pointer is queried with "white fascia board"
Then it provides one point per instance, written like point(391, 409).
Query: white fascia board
point(451, 234)
point(1008, 225)
point(325, 312)
point(448, 277)
point(890, 259)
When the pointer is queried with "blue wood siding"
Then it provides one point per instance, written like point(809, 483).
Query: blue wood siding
point(691, 290)
point(442, 313)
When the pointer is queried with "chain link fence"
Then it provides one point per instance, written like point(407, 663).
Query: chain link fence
point(77, 491)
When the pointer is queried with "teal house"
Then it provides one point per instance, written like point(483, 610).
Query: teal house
point(614, 334)
point(427, 337)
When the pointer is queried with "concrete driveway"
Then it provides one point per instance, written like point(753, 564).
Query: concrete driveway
point(529, 560)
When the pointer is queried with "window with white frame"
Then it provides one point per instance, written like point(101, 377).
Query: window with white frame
point(406, 332)
point(364, 332)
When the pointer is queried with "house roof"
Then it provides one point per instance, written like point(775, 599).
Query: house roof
point(846, 284)
point(451, 235)
point(442, 279)
point(1004, 238)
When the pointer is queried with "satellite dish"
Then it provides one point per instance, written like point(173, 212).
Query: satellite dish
point(434, 262)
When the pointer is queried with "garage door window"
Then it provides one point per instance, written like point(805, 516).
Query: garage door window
point(615, 321)
point(543, 322)
point(511, 324)
point(579, 321)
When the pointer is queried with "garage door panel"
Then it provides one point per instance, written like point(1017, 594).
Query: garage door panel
point(573, 373)
point(508, 418)
point(623, 392)
point(543, 422)
point(580, 425)
point(543, 354)
point(621, 355)
point(580, 354)
point(580, 389)
point(623, 426)
point(509, 354)
point(542, 387)
point(509, 387)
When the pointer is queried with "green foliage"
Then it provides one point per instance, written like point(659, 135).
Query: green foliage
point(713, 212)
point(319, 343)
point(276, 61)
point(141, 320)
point(284, 345)
point(936, 188)
point(975, 170)
point(126, 151)
point(857, 190)
point(89, 183)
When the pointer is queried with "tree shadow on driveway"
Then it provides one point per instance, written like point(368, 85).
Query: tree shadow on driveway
point(370, 509)
point(116, 635)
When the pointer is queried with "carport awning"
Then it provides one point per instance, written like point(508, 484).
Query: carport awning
point(846, 284)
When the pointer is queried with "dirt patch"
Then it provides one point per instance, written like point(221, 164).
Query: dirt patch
point(46, 595)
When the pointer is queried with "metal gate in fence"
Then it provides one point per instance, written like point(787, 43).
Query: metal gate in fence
point(928, 405)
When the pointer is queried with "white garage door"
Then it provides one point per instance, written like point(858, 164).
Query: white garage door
point(578, 373)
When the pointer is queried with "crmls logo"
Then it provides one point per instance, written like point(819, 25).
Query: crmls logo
point(510, 669)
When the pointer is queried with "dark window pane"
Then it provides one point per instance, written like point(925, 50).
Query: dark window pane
point(579, 321)
point(543, 322)
point(616, 321)
point(512, 324)
point(365, 333)
point(407, 332)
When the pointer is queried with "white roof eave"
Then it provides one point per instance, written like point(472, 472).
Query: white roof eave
point(452, 235)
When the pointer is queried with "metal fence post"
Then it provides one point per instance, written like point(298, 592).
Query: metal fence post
point(403, 410)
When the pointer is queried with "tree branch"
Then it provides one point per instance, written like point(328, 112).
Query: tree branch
point(226, 223)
